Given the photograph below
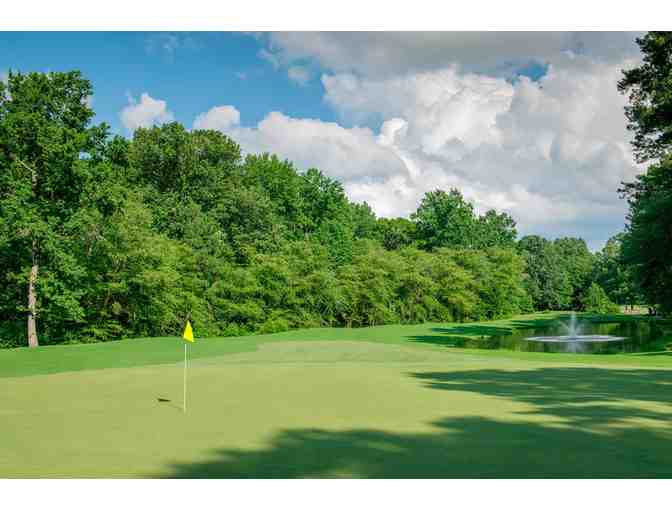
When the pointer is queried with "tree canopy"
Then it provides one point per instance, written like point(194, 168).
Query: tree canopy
point(647, 243)
point(649, 90)
point(448, 220)
point(103, 237)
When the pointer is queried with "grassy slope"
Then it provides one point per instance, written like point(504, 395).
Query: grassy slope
point(376, 402)
point(156, 351)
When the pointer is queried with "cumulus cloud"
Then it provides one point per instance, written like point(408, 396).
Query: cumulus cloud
point(552, 152)
point(350, 155)
point(220, 118)
point(146, 113)
point(347, 154)
point(392, 53)
point(299, 74)
point(441, 105)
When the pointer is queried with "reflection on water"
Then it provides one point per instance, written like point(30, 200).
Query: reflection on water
point(637, 337)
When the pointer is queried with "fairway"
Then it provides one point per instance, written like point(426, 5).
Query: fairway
point(391, 401)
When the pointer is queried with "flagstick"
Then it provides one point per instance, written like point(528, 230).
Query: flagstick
point(184, 400)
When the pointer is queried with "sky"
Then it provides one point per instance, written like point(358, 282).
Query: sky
point(528, 123)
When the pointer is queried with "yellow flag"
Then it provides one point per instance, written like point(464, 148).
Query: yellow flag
point(188, 334)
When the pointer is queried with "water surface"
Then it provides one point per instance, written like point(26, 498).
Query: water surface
point(637, 336)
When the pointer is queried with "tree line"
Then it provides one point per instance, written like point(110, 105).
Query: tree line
point(103, 237)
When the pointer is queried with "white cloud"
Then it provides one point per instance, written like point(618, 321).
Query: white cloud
point(442, 105)
point(299, 74)
point(392, 53)
point(350, 155)
point(220, 118)
point(551, 153)
point(347, 154)
point(146, 113)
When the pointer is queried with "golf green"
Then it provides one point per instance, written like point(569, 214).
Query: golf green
point(377, 402)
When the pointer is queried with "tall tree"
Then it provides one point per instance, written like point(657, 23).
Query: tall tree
point(43, 134)
point(445, 220)
point(614, 275)
point(649, 90)
point(395, 233)
point(363, 220)
point(496, 229)
point(448, 220)
point(547, 280)
point(577, 262)
point(648, 240)
point(280, 181)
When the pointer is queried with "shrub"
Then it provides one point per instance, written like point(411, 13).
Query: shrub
point(597, 301)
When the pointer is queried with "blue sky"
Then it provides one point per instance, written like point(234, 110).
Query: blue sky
point(529, 123)
point(192, 72)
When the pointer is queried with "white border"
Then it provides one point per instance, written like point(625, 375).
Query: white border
point(341, 15)
point(332, 494)
point(336, 15)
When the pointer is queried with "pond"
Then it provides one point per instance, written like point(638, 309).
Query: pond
point(600, 338)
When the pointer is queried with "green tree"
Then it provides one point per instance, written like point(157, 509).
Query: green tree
point(323, 199)
point(648, 240)
point(283, 186)
point(577, 263)
point(614, 275)
point(368, 287)
point(497, 278)
point(649, 90)
point(363, 221)
point(113, 237)
point(597, 301)
point(138, 279)
point(547, 281)
point(44, 131)
point(448, 220)
point(445, 220)
point(495, 229)
point(395, 233)
point(175, 161)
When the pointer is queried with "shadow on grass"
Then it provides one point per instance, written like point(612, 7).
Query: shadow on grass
point(577, 423)
point(464, 335)
point(564, 391)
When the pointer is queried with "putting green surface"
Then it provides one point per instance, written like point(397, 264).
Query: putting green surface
point(378, 402)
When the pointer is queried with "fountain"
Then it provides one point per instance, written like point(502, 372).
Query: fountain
point(574, 341)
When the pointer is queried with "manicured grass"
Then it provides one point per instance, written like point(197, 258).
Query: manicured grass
point(167, 350)
point(375, 402)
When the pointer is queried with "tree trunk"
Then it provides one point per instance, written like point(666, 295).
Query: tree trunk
point(32, 297)
point(32, 304)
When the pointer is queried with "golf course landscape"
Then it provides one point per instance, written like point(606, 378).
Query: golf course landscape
point(475, 291)
point(388, 401)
